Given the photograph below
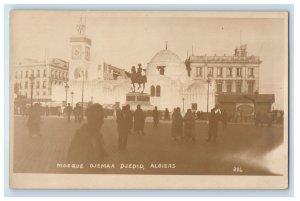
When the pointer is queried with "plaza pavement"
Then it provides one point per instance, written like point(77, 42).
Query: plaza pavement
point(238, 146)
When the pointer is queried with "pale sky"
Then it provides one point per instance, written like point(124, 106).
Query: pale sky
point(126, 41)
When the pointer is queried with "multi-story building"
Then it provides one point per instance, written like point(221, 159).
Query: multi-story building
point(238, 73)
point(39, 77)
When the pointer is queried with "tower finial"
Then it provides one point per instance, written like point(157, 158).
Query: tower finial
point(192, 50)
point(166, 45)
point(81, 26)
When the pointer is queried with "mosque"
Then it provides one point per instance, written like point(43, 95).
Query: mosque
point(197, 83)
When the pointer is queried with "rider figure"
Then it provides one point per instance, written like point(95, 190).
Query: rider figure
point(133, 70)
point(139, 71)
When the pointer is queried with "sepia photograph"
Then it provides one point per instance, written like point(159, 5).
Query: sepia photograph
point(148, 99)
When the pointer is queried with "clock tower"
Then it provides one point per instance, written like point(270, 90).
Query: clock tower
point(80, 53)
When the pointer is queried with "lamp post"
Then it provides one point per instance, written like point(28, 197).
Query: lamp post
point(31, 78)
point(67, 87)
point(82, 92)
point(72, 94)
point(208, 82)
point(183, 104)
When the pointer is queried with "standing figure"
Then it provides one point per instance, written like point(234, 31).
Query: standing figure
point(189, 125)
point(139, 120)
point(155, 115)
point(167, 114)
point(224, 118)
point(213, 124)
point(130, 118)
point(87, 146)
point(34, 120)
point(76, 113)
point(124, 118)
point(69, 112)
point(177, 122)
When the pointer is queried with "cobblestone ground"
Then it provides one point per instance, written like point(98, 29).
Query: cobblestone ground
point(238, 146)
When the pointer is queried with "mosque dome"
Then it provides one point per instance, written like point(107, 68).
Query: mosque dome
point(166, 63)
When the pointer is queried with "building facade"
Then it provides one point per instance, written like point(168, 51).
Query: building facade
point(238, 73)
point(40, 77)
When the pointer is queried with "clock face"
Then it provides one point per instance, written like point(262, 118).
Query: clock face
point(76, 52)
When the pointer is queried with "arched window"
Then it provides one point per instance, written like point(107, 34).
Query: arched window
point(157, 91)
point(152, 91)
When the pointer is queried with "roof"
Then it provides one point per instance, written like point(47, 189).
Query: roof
point(258, 98)
point(165, 56)
point(224, 59)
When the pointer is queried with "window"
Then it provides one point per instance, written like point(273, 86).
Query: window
point(37, 84)
point(38, 73)
point(198, 71)
point(219, 87)
point(238, 87)
point(32, 72)
point(220, 72)
point(56, 74)
point(38, 93)
point(161, 69)
point(229, 87)
point(157, 91)
point(26, 74)
point(26, 85)
point(52, 73)
point(20, 85)
point(21, 74)
point(229, 72)
point(239, 72)
point(59, 75)
point(67, 76)
point(16, 74)
point(152, 91)
point(250, 72)
point(44, 84)
point(44, 73)
point(44, 93)
point(250, 86)
point(210, 71)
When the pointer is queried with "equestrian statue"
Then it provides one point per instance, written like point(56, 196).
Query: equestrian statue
point(138, 77)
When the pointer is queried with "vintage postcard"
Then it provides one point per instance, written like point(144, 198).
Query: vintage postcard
point(148, 100)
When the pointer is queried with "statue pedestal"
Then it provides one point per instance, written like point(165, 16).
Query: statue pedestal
point(142, 99)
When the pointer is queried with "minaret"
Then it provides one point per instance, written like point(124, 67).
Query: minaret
point(80, 52)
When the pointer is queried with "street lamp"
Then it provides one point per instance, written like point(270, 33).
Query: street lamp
point(82, 93)
point(183, 104)
point(208, 82)
point(31, 78)
point(72, 94)
point(67, 87)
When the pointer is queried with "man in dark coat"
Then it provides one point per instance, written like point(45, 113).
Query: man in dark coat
point(139, 120)
point(155, 115)
point(87, 146)
point(34, 120)
point(69, 112)
point(124, 125)
point(213, 124)
point(177, 124)
point(189, 126)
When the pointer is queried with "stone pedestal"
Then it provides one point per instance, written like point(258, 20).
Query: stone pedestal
point(142, 99)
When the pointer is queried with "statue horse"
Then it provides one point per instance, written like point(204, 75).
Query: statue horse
point(138, 78)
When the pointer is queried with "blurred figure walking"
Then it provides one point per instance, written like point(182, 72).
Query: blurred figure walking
point(155, 115)
point(69, 110)
point(189, 126)
point(34, 120)
point(177, 123)
point(87, 145)
point(139, 120)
